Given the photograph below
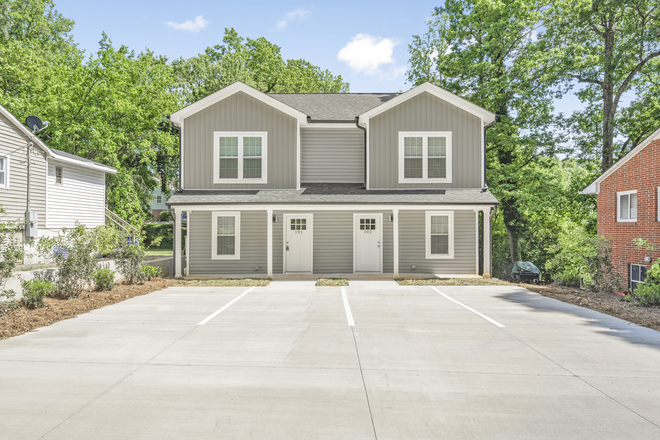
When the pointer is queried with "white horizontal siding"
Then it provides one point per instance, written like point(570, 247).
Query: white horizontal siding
point(80, 197)
point(332, 155)
point(13, 144)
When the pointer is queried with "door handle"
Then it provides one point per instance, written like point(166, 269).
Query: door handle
point(287, 247)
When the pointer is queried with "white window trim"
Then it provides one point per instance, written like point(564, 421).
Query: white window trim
point(214, 235)
point(658, 204)
point(6, 170)
point(425, 135)
point(61, 168)
point(631, 273)
point(240, 135)
point(429, 255)
point(618, 206)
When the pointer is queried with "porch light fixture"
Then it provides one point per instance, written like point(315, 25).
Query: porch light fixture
point(274, 219)
point(647, 259)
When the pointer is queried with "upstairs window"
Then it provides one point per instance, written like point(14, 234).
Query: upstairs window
point(425, 157)
point(159, 199)
point(240, 157)
point(4, 171)
point(59, 174)
point(626, 206)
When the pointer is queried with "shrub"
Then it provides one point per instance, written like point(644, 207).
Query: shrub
point(165, 216)
point(104, 279)
point(75, 251)
point(584, 260)
point(129, 259)
point(648, 293)
point(34, 292)
point(7, 302)
point(149, 272)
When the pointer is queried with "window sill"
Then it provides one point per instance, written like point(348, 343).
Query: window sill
point(240, 181)
point(446, 180)
point(439, 257)
point(225, 257)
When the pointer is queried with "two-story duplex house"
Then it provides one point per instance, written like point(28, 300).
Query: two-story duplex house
point(58, 188)
point(629, 208)
point(356, 183)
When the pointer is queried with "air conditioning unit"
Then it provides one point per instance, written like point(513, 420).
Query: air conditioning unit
point(31, 224)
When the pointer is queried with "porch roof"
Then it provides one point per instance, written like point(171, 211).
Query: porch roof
point(335, 193)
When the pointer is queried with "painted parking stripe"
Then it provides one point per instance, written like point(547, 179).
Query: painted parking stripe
point(349, 315)
point(492, 321)
point(225, 307)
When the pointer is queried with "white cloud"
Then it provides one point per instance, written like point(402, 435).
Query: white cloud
point(190, 26)
point(296, 14)
point(367, 54)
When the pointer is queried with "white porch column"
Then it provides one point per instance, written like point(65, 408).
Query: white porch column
point(177, 243)
point(395, 240)
point(269, 246)
point(487, 243)
point(187, 271)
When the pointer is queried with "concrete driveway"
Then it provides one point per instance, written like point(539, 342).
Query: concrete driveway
point(282, 362)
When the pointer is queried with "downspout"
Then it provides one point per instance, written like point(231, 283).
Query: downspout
point(180, 186)
point(357, 124)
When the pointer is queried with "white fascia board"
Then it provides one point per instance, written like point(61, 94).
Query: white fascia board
point(594, 187)
point(25, 130)
point(480, 112)
point(326, 125)
point(304, 208)
point(231, 89)
point(94, 166)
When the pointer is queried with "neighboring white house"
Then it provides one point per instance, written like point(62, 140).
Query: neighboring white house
point(157, 204)
point(64, 189)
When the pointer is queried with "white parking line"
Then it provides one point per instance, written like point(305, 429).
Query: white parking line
point(349, 316)
point(226, 306)
point(469, 308)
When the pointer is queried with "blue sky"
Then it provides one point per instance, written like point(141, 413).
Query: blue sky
point(374, 36)
point(364, 42)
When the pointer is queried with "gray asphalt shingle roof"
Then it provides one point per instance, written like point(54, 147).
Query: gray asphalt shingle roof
point(320, 193)
point(336, 107)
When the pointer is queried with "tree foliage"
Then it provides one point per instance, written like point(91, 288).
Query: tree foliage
point(612, 48)
point(255, 62)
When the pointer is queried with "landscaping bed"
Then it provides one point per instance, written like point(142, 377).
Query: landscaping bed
point(223, 282)
point(24, 320)
point(331, 282)
point(609, 303)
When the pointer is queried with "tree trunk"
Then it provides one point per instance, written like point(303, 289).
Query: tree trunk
point(512, 244)
point(609, 109)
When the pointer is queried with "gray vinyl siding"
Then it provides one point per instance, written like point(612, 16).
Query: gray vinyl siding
point(332, 241)
point(13, 143)
point(412, 245)
point(239, 112)
point(425, 112)
point(253, 245)
point(332, 155)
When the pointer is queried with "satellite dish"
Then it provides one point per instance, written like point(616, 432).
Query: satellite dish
point(34, 123)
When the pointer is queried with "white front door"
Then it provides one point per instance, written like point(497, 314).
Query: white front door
point(368, 237)
point(298, 242)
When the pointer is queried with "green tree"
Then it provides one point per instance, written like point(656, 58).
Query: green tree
point(492, 53)
point(612, 48)
point(256, 62)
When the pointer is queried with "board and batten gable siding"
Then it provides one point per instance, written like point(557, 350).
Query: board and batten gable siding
point(332, 241)
point(425, 112)
point(412, 245)
point(80, 198)
point(253, 245)
point(239, 112)
point(13, 143)
point(332, 155)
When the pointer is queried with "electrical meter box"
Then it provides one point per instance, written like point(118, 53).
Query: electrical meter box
point(31, 225)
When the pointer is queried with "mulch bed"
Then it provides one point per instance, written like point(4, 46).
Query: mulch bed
point(24, 320)
point(331, 282)
point(608, 303)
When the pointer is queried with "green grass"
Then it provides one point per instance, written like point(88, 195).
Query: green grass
point(160, 252)
point(331, 282)
point(453, 282)
point(224, 282)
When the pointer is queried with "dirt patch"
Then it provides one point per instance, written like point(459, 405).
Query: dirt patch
point(331, 282)
point(24, 320)
point(608, 303)
point(226, 282)
point(453, 282)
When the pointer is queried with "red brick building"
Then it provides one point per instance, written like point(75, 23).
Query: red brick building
point(629, 208)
